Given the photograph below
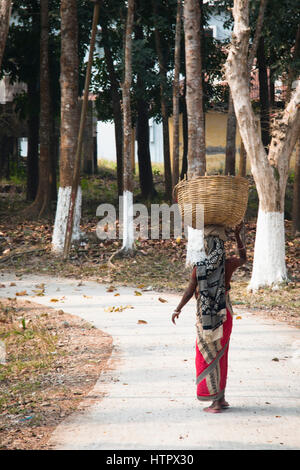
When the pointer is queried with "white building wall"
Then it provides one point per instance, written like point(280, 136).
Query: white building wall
point(107, 146)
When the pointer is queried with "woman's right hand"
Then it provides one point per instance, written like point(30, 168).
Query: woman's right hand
point(175, 315)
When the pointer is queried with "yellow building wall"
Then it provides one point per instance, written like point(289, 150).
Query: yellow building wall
point(215, 135)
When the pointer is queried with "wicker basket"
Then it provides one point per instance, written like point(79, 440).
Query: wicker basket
point(224, 198)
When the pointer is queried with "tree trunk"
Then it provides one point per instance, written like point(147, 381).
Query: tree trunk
point(230, 139)
point(142, 133)
point(6, 149)
point(196, 121)
point(117, 112)
point(269, 171)
point(243, 161)
point(143, 151)
point(194, 92)
point(263, 95)
point(164, 109)
point(128, 235)
point(33, 142)
point(5, 11)
point(296, 194)
point(69, 124)
point(185, 137)
point(176, 92)
point(42, 202)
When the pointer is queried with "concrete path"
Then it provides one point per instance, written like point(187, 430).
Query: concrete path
point(150, 400)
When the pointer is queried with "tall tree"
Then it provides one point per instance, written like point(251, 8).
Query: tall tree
point(263, 94)
point(270, 171)
point(194, 90)
point(128, 238)
point(142, 108)
point(196, 120)
point(5, 11)
point(230, 156)
point(69, 124)
point(230, 139)
point(116, 105)
point(42, 202)
point(176, 93)
point(164, 105)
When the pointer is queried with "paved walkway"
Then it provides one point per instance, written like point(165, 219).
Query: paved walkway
point(150, 400)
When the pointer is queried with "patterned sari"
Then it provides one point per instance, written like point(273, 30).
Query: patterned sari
point(214, 322)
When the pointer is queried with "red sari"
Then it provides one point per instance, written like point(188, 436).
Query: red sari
point(212, 357)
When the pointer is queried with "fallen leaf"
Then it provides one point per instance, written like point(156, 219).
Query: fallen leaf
point(142, 322)
point(23, 292)
point(238, 317)
point(162, 300)
point(110, 289)
point(116, 295)
point(136, 292)
point(54, 300)
point(39, 292)
point(141, 286)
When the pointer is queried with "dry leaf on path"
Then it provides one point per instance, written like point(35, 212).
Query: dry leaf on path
point(23, 292)
point(162, 300)
point(144, 322)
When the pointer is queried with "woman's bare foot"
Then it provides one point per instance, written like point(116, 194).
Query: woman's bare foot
point(224, 403)
point(215, 407)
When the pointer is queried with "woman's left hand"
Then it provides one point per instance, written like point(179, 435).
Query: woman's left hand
point(238, 228)
point(174, 316)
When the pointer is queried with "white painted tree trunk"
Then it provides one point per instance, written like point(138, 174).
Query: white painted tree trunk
point(128, 229)
point(59, 232)
point(195, 246)
point(269, 251)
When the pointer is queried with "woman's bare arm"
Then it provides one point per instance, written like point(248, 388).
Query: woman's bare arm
point(241, 247)
point(188, 294)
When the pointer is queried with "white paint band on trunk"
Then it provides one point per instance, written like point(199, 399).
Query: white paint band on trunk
point(61, 217)
point(269, 266)
point(195, 246)
point(128, 233)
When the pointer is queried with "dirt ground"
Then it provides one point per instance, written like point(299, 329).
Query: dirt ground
point(53, 360)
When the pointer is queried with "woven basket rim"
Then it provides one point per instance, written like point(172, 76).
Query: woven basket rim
point(184, 181)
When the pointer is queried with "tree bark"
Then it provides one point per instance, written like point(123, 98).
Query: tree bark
point(243, 161)
point(230, 139)
point(194, 92)
point(69, 124)
point(263, 94)
point(176, 92)
point(164, 109)
point(42, 202)
point(5, 11)
point(269, 171)
point(33, 142)
point(117, 111)
point(296, 194)
point(142, 133)
point(184, 163)
point(143, 151)
point(128, 238)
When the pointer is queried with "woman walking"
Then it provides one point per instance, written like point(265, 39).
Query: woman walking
point(210, 282)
